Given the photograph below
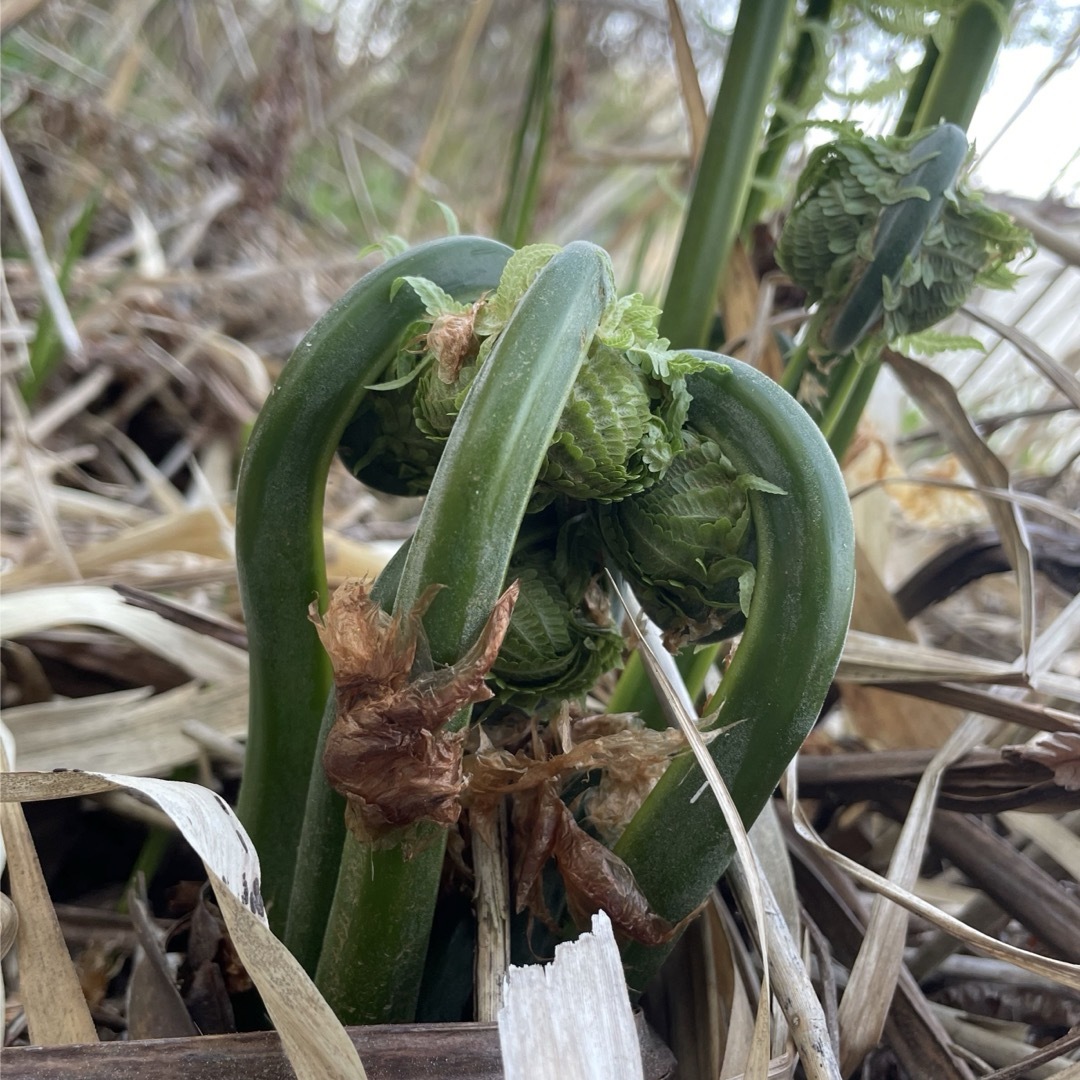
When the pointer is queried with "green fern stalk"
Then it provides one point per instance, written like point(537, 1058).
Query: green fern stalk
point(530, 141)
point(376, 938)
point(724, 175)
point(961, 71)
point(805, 71)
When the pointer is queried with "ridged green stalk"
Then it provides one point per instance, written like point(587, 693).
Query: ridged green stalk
point(279, 544)
point(725, 172)
point(376, 938)
point(961, 71)
point(917, 90)
point(802, 72)
point(634, 692)
point(530, 141)
point(677, 844)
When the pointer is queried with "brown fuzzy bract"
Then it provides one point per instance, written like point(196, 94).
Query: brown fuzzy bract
point(387, 752)
point(452, 342)
point(545, 828)
point(595, 877)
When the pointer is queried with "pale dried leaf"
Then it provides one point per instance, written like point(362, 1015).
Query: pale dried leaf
point(880, 718)
point(1021, 498)
point(73, 505)
point(316, 1044)
point(1057, 750)
point(155, 1009)
point(693, 99)
point(128, 731)
point(790, 981)
point(865, 1005)
point(1050, 834)
point(194, 531)
point(200, 656)
point(870, 658)
point(1064, 973)
point(1031, 350)
point(56, 1010)
point(938, 398)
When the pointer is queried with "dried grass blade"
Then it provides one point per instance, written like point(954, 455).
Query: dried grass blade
point(71, 505)
point(38, 481)
point(128, 731)
point(1032, 351)
point(1056, 839)
point(1039, 717)
point(316, 1044)
point(865, 1005)
point(757, 1066)
point(1020, 498)
point(988, 1042)
point(937, 396)
point(200, 656)
point(793, 988)
point(871, 658)
point(1062, 972)
point(56, 1011)
point(697, 114)
point(448, 100)
point(194, 531)
point(30, 232)
point(14, 10)
point(790, 982)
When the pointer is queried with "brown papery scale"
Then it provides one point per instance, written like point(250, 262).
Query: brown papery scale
point(593, 875)
point(387, 752)
point(452, 342)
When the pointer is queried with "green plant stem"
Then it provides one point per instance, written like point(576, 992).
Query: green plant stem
point(634, 693)
point(371, 966)
point(960, 74)
point(842, 430)
point(806, 60)
point(917, 91)
point(47, 347)
point(841, 387)
point(677, 844)
point(530, 141)
point(797, 363)
point(279, 543)
point(384, 900)
point(318, 858)
point(725, 172)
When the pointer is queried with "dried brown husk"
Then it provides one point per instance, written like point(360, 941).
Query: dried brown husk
point(545, 827)
point(631, 756)
point(453, 343)
point(388, 752)
point(594, 877)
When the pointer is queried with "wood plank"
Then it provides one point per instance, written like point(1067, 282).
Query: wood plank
point(389, 1052)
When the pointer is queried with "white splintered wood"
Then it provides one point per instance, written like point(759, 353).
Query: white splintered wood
point(571, 1019)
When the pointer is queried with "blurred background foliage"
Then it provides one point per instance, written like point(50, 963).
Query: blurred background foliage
point(228, 165)
point(327, 108)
